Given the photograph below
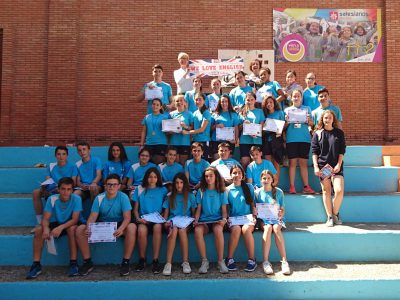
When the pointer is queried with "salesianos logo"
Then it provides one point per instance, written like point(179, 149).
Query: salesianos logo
point(293, 47)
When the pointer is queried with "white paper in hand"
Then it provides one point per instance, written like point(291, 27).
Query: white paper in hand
point(51, 246)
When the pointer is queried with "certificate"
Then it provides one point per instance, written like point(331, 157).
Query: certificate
point(297, 115)
point(224, 171)
point(241, 220)
point(51, 246)
point(171, 125)
point(152, 93)
point(225, 134)
point(267, 211)
point(102, 232)
point(182, 221)
point(274, 125)
point(326, 171)
point(48, 181)
point(154, 217)
point(252, 129)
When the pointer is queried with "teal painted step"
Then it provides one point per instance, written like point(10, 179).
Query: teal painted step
point(299, 208)
point(253, 289)
point(357, 179)
point(29, 156)
point(304, 242)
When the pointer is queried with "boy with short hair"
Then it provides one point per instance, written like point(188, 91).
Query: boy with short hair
point(258, 165)
point(325, 104)
point(65, 209)
point(195, 167)
point(225, 162)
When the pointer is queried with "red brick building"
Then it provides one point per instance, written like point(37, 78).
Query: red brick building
point(71, 69)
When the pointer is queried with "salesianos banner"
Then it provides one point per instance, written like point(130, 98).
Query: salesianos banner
point(327, 35)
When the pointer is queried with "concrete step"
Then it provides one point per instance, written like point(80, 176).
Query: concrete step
point(304, 242)
point(391, 161)
point(309, 280)
point(357, 207)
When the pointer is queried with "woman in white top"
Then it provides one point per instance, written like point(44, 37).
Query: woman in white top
point(181, 76)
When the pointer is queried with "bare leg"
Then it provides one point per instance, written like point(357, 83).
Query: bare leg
point(219, 240)
point(292, 170)
point(279, 241)
point(82, 241)
point(130, 240)
point(247, 231)
point(142, 239)
point(199, 232)
point(245, 162)
point(267, 241)
point(37, 201)
point(233, 240)
point(326, 196)
point(183, 239)
point(157, 236)
point(171, 242)
point(304, 170)
point(38, 243)
point(73, 249)
point(338, 187)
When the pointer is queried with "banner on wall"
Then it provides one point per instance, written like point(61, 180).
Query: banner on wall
point(327, 35)
point(215, 67)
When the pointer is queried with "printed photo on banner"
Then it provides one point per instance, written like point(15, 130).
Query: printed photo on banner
point(327, 35)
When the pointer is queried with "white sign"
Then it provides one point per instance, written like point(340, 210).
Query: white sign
point(215, 67)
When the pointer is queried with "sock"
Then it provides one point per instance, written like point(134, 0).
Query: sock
point(73, 262)
point(36, 263)
point(39, 219)
point(89, 260)
point(125, 260)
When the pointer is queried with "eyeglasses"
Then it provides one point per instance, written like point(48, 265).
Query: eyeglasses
point(111, 185)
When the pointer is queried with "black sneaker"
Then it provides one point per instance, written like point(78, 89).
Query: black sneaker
point(156, 267)
point(86, 268)
point(140, 265)
point(124, 269)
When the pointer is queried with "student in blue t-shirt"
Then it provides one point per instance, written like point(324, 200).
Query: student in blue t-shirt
point(170, 168)
point(136, 172)
point(190, 95)
point(61, 216)
point(210, 215)
point(298, 143)
point(179, 140)
point(55, 171)
point(148, 198)
point(213, 98)
point(195, 167)
point(180, 202)
point(324, 101)
point(241, 203)
point(118, 163)
point(152, 135)
point(225, 162)
point(310, 94)
point(269, 194)
point(89, 173)
point(110, 206)
point(238, 94)
point(291, 85)
point(157, 83)
point(255, 168)
point(270, 88)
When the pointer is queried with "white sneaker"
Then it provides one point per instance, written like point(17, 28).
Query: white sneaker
point(186, 268)
point(337, 220)
point(167, 269)
point(285, 268)
point(222, 267)
point(204, 266)
point(267, 267)
point(329, 222)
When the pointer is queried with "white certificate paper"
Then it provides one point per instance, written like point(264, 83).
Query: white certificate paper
point(182, 221)
point(267, 211)
point(156, 92)
point(224, 171)
point(48, 181)
point(241, 220)
point(297, 116)
point(102, 232)
point(225, 134)
point(274, 125)
point(252, 129)
point(154, 217)
point(51, 246)
point(171, 125)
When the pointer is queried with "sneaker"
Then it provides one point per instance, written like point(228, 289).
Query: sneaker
point(167, 269)
point(251, 265)
point(337, 220)
point(308, 190)
point(285, 268)
point(204, 266)
point(124, 268)
point(73, 270)
point(86, 268)
point(329, 222)
point(156, 268)
point(292, 190)
point(267, 267)
point(35, 271)
point(186, 268)
point(230, 264)
point(140, 265)
point(222, 267)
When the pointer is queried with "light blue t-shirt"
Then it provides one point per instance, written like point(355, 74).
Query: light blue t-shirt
point(111, 210)
point(167, 93)
point(238, 95)
point(237, 201)
point(228, 119)
point(180, 209)
point(212, 101)
point(276, 115)
point(60, 211)
point(154, 133)
point(262, 196)
point(179, 139)
point(189, 97)
point(317, 113)
point(150, 200)
point(254, 171)
point(229, 163)
point(116, 167)
point(57, 172)
point(270, 87)
point(137, 171)
point(310, 96)
point(198, 119)
point(168, 172)
point(87, 170)
point(297, 132)
point(255, 116)
point(195, 170)
point(211, 202)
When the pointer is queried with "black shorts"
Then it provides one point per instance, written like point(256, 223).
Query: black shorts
point(267, 148)
point(245, 149)
point(298, 150)
point(157, 149)
point(214, 146)
point(182, 150)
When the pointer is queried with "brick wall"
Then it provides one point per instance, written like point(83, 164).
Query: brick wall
point(73, 69)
